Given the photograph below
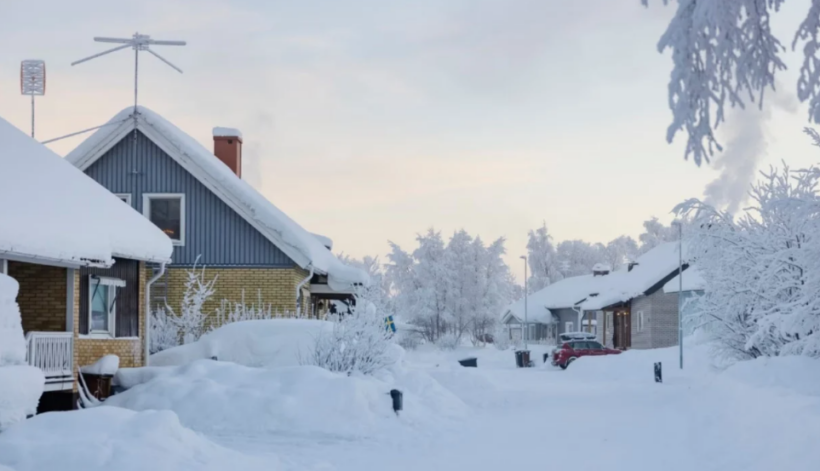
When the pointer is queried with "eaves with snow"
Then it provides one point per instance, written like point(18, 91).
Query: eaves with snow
point(53, 213)
point(304, 248)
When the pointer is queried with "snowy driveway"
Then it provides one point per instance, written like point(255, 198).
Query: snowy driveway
point(551, 419)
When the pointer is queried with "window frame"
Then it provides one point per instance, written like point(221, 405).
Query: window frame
point(126, 198)
point(569, 326)
point(146, 211)
point(641, 324)
point(111, 285)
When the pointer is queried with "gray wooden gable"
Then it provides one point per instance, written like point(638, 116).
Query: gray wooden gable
point(212, 229)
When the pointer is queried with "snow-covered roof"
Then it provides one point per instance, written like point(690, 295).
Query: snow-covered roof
point(326, 241)
point(302, 247)
point(51, 211)
point(227, 132)
point(623, 285)
point(601, 267)
point(562, 294)
point(692, 281)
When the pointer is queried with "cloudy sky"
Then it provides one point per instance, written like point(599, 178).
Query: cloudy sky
point(370, 121)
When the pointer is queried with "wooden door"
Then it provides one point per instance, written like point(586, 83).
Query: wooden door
point(623, 330)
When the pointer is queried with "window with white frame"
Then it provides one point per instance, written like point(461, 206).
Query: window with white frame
point(125, 197)
point(102, 304)
point(166, 211)
point(568, 327)
point(641, 322)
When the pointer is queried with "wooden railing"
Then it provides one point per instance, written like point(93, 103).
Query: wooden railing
point(53, 353)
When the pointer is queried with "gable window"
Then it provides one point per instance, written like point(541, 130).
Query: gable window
point(102, 305)
point(166, 211)
point(125, 197)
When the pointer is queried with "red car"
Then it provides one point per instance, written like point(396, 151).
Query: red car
point(569, 351)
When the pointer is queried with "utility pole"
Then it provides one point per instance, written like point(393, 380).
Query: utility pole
point(524, 328)
point(680, 290)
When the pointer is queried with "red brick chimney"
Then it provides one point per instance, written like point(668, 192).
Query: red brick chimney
point(228, 148)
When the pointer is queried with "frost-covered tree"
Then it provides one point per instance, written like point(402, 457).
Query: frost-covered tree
point(577, 257)
point(378, 291)
point(725, 52)
point(619, 251)
point(191, 318)
point(450, 290)
point(654, 234)
point(542, 260)
point(762, 269)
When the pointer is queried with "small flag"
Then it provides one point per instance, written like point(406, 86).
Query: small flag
point(389, 325)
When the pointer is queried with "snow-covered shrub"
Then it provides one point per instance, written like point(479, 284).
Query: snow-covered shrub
point(501, 338)
point(164, 331)
point(762, 270)
point(409, 340)
point(448, 341)
point(191, 318)
point(239, 311)
point(359, 342)
point(20, 385)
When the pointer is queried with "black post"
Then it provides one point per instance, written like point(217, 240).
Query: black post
point(658, 373)
point(397, 400)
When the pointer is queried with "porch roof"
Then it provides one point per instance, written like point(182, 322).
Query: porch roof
point(54, 214)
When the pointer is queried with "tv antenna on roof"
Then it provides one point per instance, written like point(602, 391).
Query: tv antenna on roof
point(33, 82)
point(138, 42)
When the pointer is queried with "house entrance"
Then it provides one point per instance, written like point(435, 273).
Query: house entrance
point(622, 334)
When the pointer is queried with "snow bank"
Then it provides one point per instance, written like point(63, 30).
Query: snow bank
point(54, 211)
point(20, 389)
point(262, 343)
point(228, 399)
point(289, 236)
point(20, 385)
point(12, 342)
point(107, 365)
point(110, 438)
point(798, 374)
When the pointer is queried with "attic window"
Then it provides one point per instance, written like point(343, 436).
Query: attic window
point(167, 212)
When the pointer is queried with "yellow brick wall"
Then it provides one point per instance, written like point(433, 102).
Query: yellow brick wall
point(88, 350)
point(273, 286)
point(42, 296)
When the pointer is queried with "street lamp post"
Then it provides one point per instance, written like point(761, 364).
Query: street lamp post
point(526, 294)
point(680, 291)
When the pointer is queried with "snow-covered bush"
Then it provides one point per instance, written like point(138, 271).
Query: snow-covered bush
point(359, 342)
point(191, 318)
point(762, 270)
point(239, 311)
point(20, 385)
point(164, 331)
point(448, 341)
point(501, 338)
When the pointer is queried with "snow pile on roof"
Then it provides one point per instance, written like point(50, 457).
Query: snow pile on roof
point(218, 397)
point(601, 267)
point(692, 281)
point(299, 244)
point(263, 343)
point(324, 240)
point(622, 285)
point(20, 385)
point(51, 210)
point(111, 438)
point(227, 132)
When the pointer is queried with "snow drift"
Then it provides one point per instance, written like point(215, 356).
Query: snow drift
point(20, 385)
point(263, 343)
point(110, 438)
point(224, 398)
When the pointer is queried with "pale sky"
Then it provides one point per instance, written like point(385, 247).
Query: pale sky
point(369, 120)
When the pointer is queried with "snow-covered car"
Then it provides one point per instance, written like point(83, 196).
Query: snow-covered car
point(571, 351)
point(569, 337)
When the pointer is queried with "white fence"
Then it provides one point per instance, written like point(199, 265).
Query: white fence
point(53, 353)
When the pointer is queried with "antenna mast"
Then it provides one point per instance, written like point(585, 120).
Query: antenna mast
point(33, 82)
point(138, 42)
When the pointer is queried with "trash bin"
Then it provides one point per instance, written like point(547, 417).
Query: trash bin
point(519, 362)
point(469, 362)
point(525, 358)
point(98, 385)
point(398, 400)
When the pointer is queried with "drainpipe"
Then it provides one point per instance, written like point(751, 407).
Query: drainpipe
point(148, 312)
point(299, 290)
point(580, 317)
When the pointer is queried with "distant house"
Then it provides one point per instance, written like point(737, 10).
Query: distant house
point(553, 310)
point(694, 286)
point(198, 198)
point(79, 255)
point(632, 308)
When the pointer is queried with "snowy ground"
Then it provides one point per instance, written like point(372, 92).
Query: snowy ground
point(601, 413)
